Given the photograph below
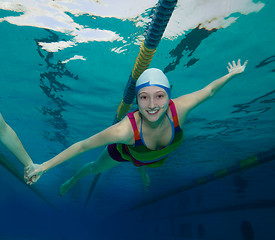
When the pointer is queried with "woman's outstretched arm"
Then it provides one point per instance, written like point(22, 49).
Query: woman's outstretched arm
point(119, 133)
point(188, 102)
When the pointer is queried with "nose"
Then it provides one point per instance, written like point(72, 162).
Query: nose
point(152, 103)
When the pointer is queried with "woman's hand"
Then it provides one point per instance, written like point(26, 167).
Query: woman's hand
point(236, 68)
point(33, 172)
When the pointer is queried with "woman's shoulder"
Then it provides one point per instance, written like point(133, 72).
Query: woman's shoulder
point(134, 117)
point(125, 130)
point(182, 103)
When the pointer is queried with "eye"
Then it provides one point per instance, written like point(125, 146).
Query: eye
point(143, 97)
point(160, 96)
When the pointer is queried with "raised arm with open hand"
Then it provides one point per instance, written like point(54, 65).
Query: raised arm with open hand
point(188, 102)
point(236, 68)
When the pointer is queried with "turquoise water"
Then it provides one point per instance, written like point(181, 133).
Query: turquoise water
point(64, 67)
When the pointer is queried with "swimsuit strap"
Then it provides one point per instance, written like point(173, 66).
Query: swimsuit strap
point(134, 125)
point(173, 130)
point(174, 113)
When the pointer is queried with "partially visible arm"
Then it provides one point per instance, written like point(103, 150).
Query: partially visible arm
point(188, 102)
point(11, 141)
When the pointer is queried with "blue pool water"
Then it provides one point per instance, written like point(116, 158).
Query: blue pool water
point(64, 67)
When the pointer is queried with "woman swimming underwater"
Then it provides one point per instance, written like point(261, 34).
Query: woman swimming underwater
point(146, 136)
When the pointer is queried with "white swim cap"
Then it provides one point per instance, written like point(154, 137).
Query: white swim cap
point(153, 77)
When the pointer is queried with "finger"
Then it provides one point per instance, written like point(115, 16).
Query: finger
point(26, 176)
point(27, 170)
point(36, 178)
point(234, 64)
point(228, 69)
point(29, 182)
point(230, 66)
point(33, 179)
point(245, 63)
point(239, 62)
point(26, 179)
point(31, 173)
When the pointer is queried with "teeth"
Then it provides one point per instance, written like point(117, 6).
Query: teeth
point(152, 111)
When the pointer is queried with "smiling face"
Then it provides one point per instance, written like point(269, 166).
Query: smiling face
point(153, 103)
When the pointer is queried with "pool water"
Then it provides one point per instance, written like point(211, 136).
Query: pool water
point(64, 67)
